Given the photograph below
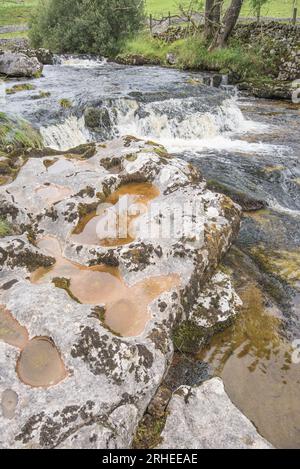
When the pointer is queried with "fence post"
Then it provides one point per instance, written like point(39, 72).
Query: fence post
point(170, 21)
point(295, 15)
point(150, 20)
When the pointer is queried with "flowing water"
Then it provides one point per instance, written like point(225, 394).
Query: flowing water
point(249, 146)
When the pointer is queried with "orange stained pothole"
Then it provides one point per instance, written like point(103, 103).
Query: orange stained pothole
point(39, 363)
point(127, 204)
point(11, 330)
point(52, 193)
point(126, 307)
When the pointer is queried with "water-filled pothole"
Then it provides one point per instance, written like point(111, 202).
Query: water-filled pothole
point(52, 193)
point(40, 364)
point(116, 227)
point(126, 307)
point(11, 330)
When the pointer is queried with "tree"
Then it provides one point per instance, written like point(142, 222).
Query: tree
point(229, 21)
point(85, 26)
point(216, 30)
point(212, 18)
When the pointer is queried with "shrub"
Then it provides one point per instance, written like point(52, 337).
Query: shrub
point(85, 26)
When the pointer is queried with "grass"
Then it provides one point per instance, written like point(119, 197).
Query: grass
point(276, 8)
point(14, 12)
point(18, 134)
point(17, 34)
point(5, 228)
point(22, 87)
point(191, 53)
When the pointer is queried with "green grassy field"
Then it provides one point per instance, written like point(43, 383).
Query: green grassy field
point(276, 8)
point(18, 11)
point(15, 12)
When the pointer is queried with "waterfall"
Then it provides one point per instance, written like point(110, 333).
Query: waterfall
point(178, 123)
point(78, 61)
point(71, 133)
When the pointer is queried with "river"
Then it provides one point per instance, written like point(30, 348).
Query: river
point(251, 146)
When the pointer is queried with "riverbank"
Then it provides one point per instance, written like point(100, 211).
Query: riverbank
point(263, 60)
point(245, 147)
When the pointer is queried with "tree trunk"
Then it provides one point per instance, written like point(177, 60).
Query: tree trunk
point(216, 17)
point(217, 12)
point(208, 17)
point(229, 22)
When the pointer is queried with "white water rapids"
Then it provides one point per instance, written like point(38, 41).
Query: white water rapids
point(175, 123)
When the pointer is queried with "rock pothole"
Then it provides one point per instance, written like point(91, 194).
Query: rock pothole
point(114, 223)
point(125, 308)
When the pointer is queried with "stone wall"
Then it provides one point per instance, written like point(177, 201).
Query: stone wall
point(280, 40)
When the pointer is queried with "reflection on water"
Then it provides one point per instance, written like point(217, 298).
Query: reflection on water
point(254, 362)
point(129, 202)
point(126, 308)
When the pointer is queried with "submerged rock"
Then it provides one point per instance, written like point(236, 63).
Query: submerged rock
point(203, 417)
point(19, 65)
point(103, 383)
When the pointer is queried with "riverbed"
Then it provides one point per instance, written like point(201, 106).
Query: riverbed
point(250, 147)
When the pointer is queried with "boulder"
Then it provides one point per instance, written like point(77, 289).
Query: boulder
point(107, 381)
point(171, 58)
point(203, 417)
point(19, 65)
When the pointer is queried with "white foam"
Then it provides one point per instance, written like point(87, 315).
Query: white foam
point(69, 134)
point(78, 62)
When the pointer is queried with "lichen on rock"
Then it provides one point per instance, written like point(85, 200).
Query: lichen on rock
point(110, 380)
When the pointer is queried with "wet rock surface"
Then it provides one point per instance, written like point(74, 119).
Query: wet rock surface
point(203, 417)
point(110, 380)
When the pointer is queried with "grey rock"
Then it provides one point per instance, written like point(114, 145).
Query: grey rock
point(171, 58)
point(203, 417)
point(19, 65)
point(110, 380)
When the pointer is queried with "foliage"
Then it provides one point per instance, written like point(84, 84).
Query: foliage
point(18, 133)
point(5, 228)
point(65, 103)
point(191, 53)
point(85, 26)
